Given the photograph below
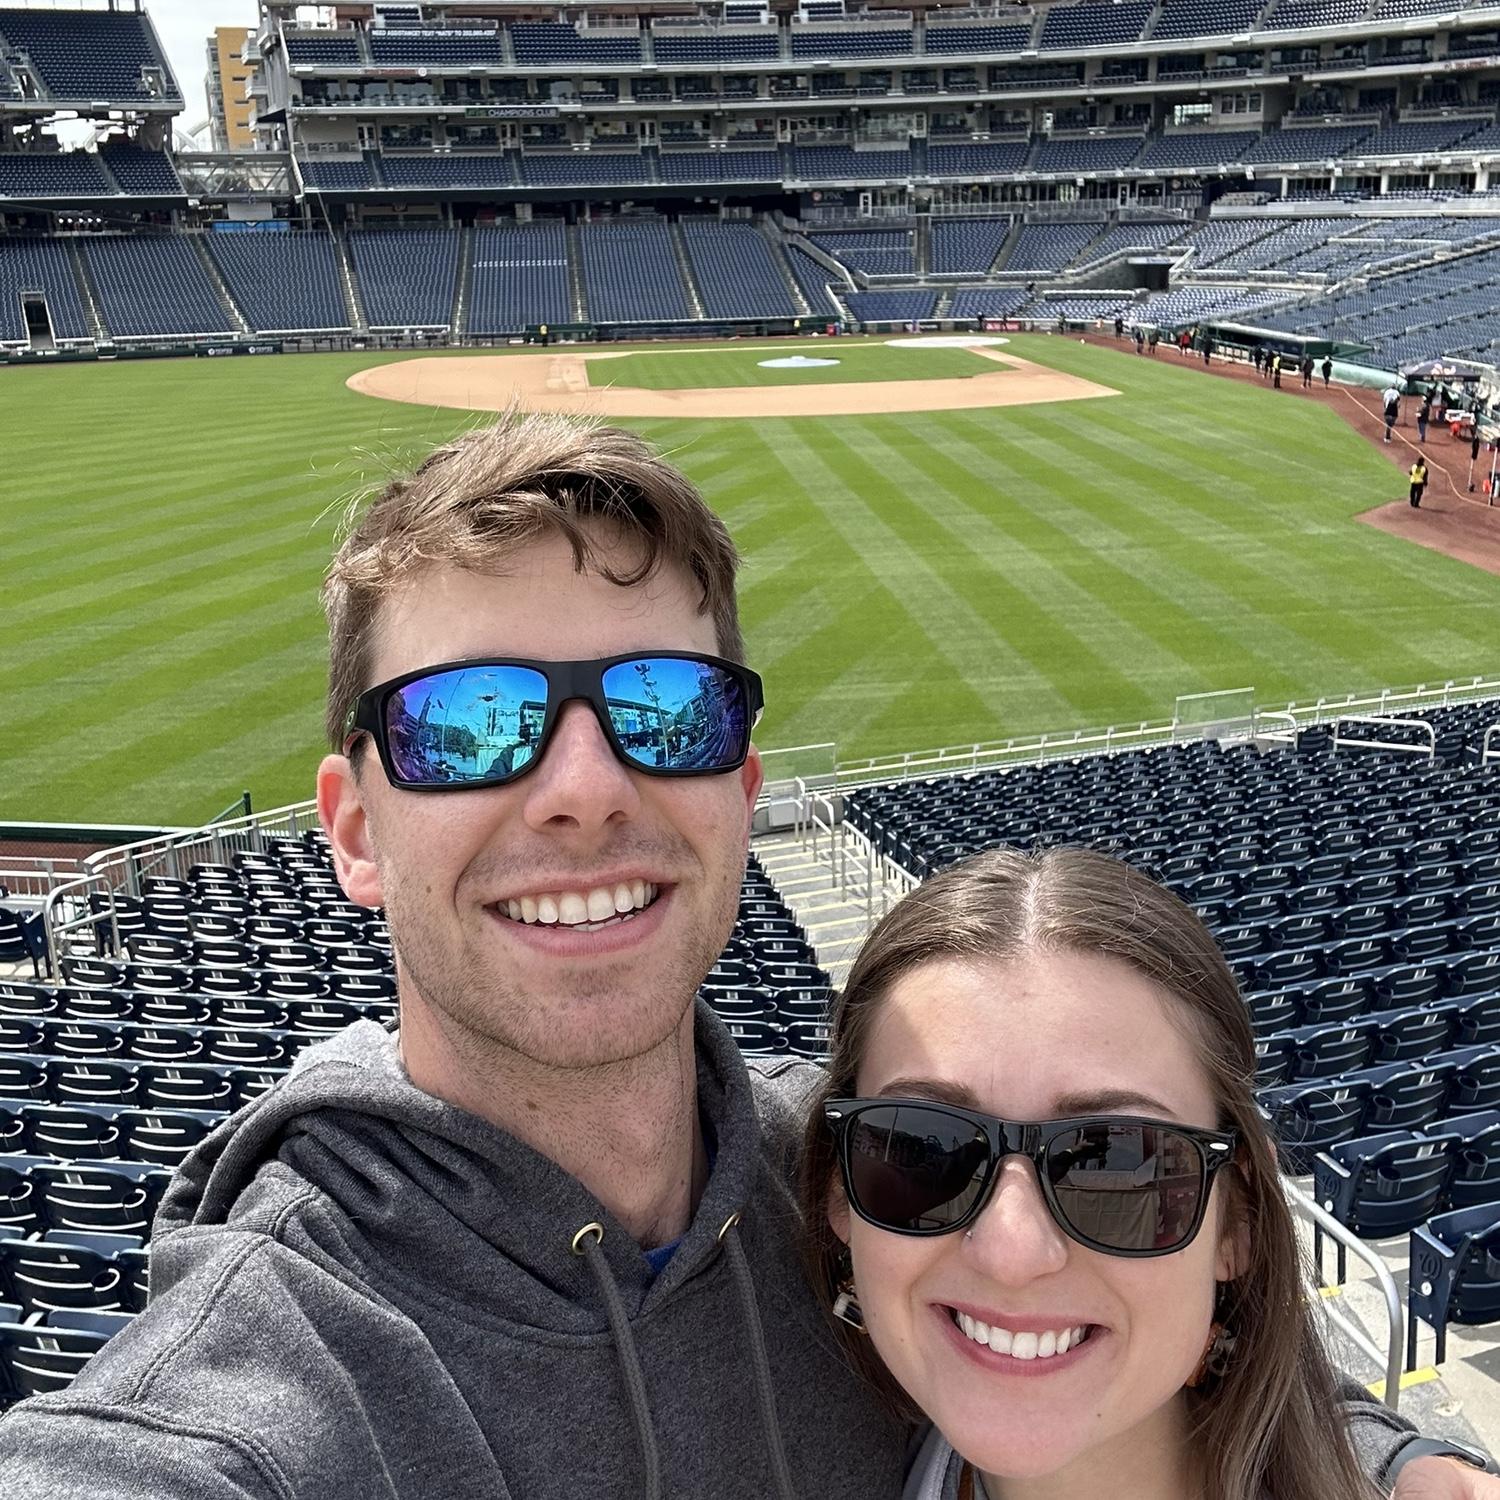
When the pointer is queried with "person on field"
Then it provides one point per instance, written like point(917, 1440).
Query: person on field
point(1424, 413)
point(1152, 340)
point(1418, 482)
point(1390, 399)
point(1307, 371)
point(1327, 370)
point(1276, 370)
point(540, 1241)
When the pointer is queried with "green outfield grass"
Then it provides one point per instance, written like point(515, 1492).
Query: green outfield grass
point(910, 580)
point(738, 364)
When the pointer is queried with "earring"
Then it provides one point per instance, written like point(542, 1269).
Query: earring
point(1217, 1354)
point(846, 1306)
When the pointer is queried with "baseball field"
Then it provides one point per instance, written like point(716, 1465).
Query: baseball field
point(912, 578)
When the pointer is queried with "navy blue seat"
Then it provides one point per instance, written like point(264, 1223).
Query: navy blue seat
point(1338, 1000)
point(1382, 1185)
point(1455, 1275)
point(1476, 1171)
point(1409, 1095)
point(1310, 1117)
point(1328, 1051)
point(40, 1357)
point(53, 1273)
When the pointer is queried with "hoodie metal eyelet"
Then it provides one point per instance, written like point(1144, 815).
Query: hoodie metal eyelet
point(597, 1230)
point(729, 1224)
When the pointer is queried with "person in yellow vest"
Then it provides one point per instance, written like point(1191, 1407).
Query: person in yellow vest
point(1418, 478)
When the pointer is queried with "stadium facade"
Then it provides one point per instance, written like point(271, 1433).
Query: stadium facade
point(1319, 169)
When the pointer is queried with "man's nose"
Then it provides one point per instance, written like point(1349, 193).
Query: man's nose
point(580, 782)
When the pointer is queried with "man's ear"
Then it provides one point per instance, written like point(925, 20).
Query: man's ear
point(752, 777)
point(341, 810)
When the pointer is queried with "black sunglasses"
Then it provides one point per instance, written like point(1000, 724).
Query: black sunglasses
point(485, 722)
point(1114, 1183)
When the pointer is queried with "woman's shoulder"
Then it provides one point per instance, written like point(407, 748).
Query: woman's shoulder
point(935, 1468)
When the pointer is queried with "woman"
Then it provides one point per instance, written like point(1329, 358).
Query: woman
point(1105, 1300)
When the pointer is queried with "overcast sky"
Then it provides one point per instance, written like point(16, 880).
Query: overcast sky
point(184, 27)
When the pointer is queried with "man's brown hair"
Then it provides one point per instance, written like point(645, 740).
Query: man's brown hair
point(476, 501)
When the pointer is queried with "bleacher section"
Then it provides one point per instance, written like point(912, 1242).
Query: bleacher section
point(854, 41)
point(153, 288)
point(198, 995)
point(552, 42)
point(407, 277)
point(844, 164)
point(967, 245)
point(457, 172)
point(39, 266)
point(630, 271)
point(520, 278)
point(72, 174)
point(887, 307)
point(719, 166)
point(958, 40)
point(876, 252)
point(1049, 247)
point(684, 46)
point(1086, 25)
point(814, 279)
point(146, 174)
point(85, 56)
point(282, 282)
point(1086, 153)
point(1198, 148)
point(457, 48)
point(977, 159)
point(736, 272)
point(584, 169)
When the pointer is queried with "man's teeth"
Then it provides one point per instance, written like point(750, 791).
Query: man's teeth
point(588, 909)
point(1021, 1345)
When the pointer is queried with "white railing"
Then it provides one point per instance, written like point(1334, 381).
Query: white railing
point(1323, 1224)
point(1428, 748)
point(123, 870)
point(1487, 753)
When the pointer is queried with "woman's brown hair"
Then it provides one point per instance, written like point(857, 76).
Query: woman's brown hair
point(1265, 1427)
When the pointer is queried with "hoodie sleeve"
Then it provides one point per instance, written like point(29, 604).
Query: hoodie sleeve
point(82, 1450)
point(1376, 1431)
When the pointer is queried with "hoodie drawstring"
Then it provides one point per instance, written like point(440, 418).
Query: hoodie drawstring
point(765, 1392)
point(586, 1244)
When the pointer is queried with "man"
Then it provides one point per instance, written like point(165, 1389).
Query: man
point(1276, 371)
point(542, 1242)
point(1327, 370)
point(1391, 400)
point(1307, 371)
point(1418, 482)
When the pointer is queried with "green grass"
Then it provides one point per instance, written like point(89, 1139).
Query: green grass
point(910, 580)
point(737, 365)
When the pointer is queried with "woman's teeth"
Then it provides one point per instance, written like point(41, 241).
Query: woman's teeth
point(1021, 1345)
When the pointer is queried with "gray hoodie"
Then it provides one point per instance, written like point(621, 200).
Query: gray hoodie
point(360, 1292)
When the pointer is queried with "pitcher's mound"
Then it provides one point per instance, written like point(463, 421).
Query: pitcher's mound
point(561, 382)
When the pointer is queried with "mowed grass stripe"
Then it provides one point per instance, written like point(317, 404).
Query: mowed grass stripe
point(160, 604)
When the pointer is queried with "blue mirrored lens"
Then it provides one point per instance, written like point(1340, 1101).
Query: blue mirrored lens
point(468, 724)
point(673, 715)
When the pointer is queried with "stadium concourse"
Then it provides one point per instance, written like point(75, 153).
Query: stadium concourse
point(431, 180)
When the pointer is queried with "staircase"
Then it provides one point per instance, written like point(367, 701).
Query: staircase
point(575, 275)
point(834, 884)
point(1007, 245)
point(922, 245)
point(685, 270)
point(86, 287)
point(779, 260)
point(237, 319)
point(353, 304)
point(463, 285)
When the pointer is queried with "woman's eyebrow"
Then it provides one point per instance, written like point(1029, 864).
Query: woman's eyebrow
point(929, 1088)
point(1093, 1102)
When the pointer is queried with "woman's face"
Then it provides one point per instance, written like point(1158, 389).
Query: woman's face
point(1038, 1037)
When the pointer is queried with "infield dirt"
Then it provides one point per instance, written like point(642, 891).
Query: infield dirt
point(566, 382)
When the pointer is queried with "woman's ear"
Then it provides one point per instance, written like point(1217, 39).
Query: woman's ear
point(1232, 1258)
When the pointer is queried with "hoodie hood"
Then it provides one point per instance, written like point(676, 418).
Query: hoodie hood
point(416, 1177)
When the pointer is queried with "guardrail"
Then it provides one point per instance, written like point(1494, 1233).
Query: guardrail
point(1429, 749)
point(1323, 1224)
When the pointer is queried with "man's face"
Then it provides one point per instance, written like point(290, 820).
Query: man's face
point(459, 872)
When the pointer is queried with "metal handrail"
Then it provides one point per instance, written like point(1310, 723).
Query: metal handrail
point(1486, 755)
point(1325, 1223)
point(1341, 740)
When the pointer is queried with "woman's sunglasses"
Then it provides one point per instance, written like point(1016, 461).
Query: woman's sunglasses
point(1113, 1183)
point(485, 722)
